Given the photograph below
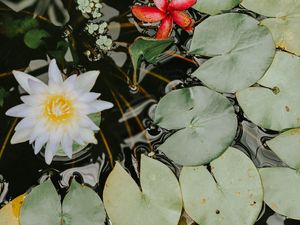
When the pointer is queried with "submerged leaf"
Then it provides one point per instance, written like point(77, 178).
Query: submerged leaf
point(231, 186)
point(241, 51)
point(206, 120)
point(34, 38)
point(275, 105)
point(150, 49)
point(157, 203)
point(3, 95)
point(281, 190)
point(214, 7)
point(284, 25)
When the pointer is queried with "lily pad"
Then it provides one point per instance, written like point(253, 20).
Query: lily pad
point(80, 206)
point(213, 7)
point(240, 48)
point(231, 193)
point(281, 190)
point(35, 38)
point(287, 147)
point(157, 202)
point(206, 122)
point(284, 23)
point(148, 48)
point(275, 105)
point(10, 213)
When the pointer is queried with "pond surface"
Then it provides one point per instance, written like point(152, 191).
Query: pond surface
point(126, 130)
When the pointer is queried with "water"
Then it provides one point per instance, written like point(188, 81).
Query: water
point(126, 130)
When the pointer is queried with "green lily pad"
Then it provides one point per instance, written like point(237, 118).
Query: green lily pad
point(213, 7)
point(35, 38)
point(281, 190)
point(230, 194)
point(284, 23)
point(157, 202)
point(275, 105)
point(80, 206)
point(240, 48)
point(286, 146)
point(206, 120)
point(148, 48)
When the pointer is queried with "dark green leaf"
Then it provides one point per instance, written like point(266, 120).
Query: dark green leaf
point(3, 94)
point(34, 38)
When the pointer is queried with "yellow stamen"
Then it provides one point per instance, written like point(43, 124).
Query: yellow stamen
point(58, 109)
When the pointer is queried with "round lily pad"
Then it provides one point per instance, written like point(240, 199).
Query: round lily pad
point(227, 193)
point(41, 206)
point(275, 104)
point(157, 202)
point(284, 24)
point(286, 146)
point(206, 125)
point(240, 48)
point(281, 190)
point(213, 7)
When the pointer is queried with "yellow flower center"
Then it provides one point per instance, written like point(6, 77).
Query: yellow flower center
point(58, 109)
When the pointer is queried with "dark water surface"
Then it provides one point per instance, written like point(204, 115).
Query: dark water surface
point(126, 130)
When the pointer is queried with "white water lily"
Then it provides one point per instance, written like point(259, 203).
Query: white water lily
point(55, 115)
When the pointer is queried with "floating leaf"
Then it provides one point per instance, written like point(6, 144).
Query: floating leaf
point(285, 22)
point(150, 49)
point(231, 193)
point(83, 206)
point(41, 205)
point(158, 202)
point(213, 7)
point(10, 213)
point(275, 105)
point(206, 120)
point(281, 190)
point(80, 206)
point(34, 38)
point(242, 51)
point(3, 95)
point(286, 146)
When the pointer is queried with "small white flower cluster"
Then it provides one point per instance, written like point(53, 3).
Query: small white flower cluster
point(104, 42)
point(95, 29)
point(90, 8)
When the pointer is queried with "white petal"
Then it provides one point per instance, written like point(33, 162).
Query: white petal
point(70, 82)
point(26, 123)
point(23, 78)
point(38, 129)
point(36, 87)
point(88, 136)
point(21, 110)
point(66, 144)
point(54, 73)
point(33, 100)
point(98, 106)
point(40, 142)
point(49, 153)
point(20, 136)
point(86, 81)
point(88, 123)
point(89, 97)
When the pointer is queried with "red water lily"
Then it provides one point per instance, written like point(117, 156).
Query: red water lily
point(166, 12)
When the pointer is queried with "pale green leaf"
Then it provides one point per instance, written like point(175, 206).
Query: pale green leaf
point(214, 7)
point(281, 190)
point(41, 206)
point(206, 120)
point(284, 24)
point(230, 194)
point(240, 48)
point(275, 105)
point(158, 202)
point(82, 206)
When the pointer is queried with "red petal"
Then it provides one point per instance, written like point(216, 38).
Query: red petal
point(182, 19)
point(190, 28)
point(165, 28)
point(161, 4)
point(181, 4)
point(147, 14)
